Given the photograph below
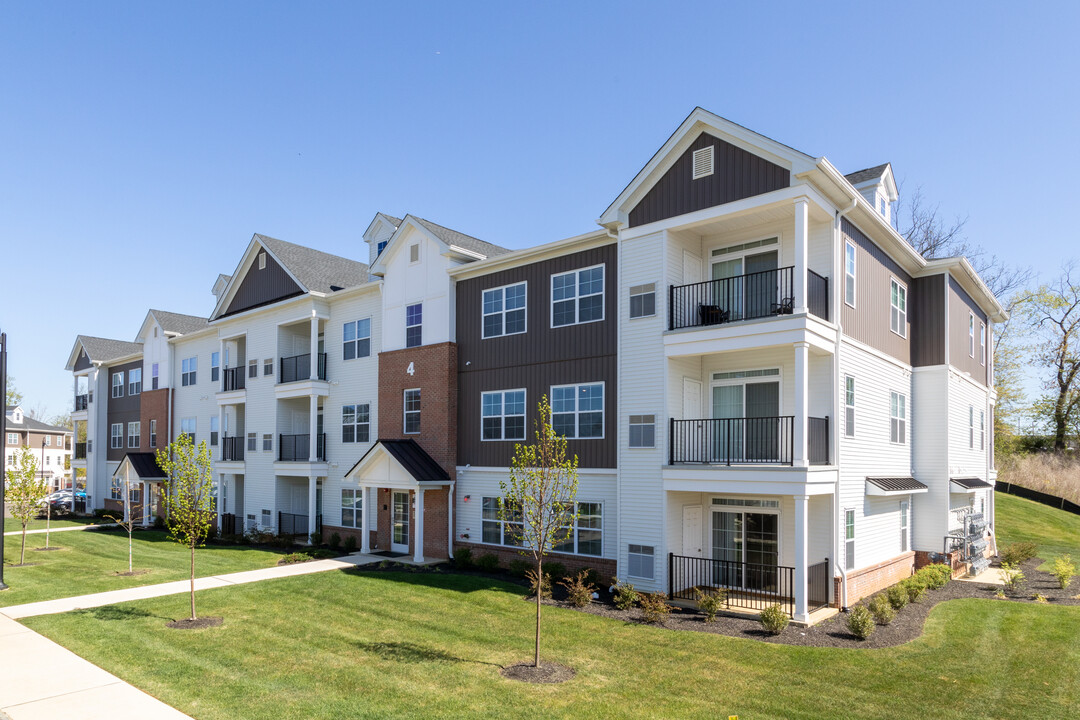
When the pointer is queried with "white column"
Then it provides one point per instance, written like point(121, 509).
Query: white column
point(145, 504)
point(800, 456)
point(313, 429)
point(418, 542)
point(365, 532)
point(312, 503)
point(126, 499)
point(314, 346)
point(802, 243)
point(450, 521)
point(802, 556)
point(220, 498)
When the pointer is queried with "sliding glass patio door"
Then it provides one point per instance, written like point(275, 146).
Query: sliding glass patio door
point(748, 546)
point(748, 430)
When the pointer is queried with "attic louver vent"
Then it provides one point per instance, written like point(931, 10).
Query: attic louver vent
point(262, 261)
point(703, 162)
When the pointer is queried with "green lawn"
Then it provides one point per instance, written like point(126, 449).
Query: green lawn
point(13, 525)
point(357, 645)
point(90, 558)
point(1054, 531)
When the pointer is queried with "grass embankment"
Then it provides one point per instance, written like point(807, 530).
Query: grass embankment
point(1054, 531)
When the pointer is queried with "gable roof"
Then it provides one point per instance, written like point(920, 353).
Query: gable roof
point(144, 464)
point(30, 423)
point(103, 350)
point(454, 238)
point(179, 324)
point(413, 458)
point(315, 270)
point(861, 176)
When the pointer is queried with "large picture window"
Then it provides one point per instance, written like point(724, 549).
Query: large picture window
point(496, 531)
point(356, 339)
point(502, 415)
point(577, 296)
point(355, 423)
point(577, 411)
point(504, 310)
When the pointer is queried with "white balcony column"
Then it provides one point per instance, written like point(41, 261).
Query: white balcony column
point(145, 496)
point(802, 556)
point(221, 431)
point(314, 346)
point(450, 521)
point(800, 455)
point(418, 539)
point(313, 429)
point(221, 364)
point(802, 246)
point(365, 508)
point(312, 503)
point(220, 500)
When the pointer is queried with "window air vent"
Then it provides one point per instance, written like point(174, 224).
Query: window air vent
point(703, 162)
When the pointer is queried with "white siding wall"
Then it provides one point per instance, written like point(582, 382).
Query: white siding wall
point(407, 283)
point(967, 459)
point(931, 457)
point(156, 350)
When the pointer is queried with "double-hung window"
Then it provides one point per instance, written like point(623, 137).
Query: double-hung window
point(642, 431)
point(134, 381)
point(898, 308)
point(897, 418)
point(188, 371)
point(849, 539)
point(982, 429)
point(116, 489)
point(502, 415)
point(414, 325)
point(134, 434)
point(504, 310)
point(849, 406)
point(252, 442)
point(971, 427)
point(48, 440)
point(215, 366)
point(214, 429)
point(412, 411)
point(352, 507)
point(355, 423)
point(643, 300)
point(253, 368)
point(577, 296)
point(356, 339)
point(577, 411)
point(268, 366)
point(153, 433)
point(982, 343)
point(496, 530)
point(268, 442)
point(586, 536)
point(118, 385)
point(116, 437)
point(640, 561)
point(154, 376)
point(971, 334)
point(849, 273)
point(188, 426)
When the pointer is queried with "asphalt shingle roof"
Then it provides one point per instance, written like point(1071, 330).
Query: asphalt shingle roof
point(861, 176)
point(145, 466)
point(33, 425)
point(412, 457)
point(106, 349)
point(317, 271)
point(178, 323)
point(461, 240)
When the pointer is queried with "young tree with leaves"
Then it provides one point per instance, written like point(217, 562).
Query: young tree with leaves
point(539, 502)
point(188, 496)
point(127, 521)
point(25, 491)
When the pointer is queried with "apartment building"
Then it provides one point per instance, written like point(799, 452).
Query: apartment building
point(50, 444)
point(767, 389)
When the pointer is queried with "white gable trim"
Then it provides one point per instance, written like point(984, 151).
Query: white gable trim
point(394, 241)
point(379, 219)
point(379, 468)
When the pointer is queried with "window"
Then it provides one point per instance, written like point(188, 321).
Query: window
point(268, 442)
point(153, 433)
point(502, 415)
point(849, 274)
point(215, 366)
point(414, 325)
point(412, 411)
point(188, 370)
point(118, 385)
point(267, 519)
point(48, 459)
point(214, 420)
point(134, 434)
point(642, 431)
point(252, 442)
point(355, 423)
point(898, 310)
point(48, 440)
point(116, 489)
point(116, 438)
point(577, 297)
point(357, 339)
point(414, 253)
point(12, 439)
point(577, 411)
point(971, 334)
point(897, 418)
point(253, 368)
point(849, 406)
point(643, 300)
point(135, 381)
point(268, 366)
point(982, 343)
point(586, 537)
point(496, 531)
point(971, 427)
point(849, 538)
point(504, 310)
point(639, 561)
point(703, 162)
point(982, 429)
point(381, 246)
point(187, 427)
point(59, 441)
point(154, 376)
point(904, 539)
point(352, 505)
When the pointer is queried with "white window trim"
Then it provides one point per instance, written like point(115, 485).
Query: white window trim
point(358, 514)
point(577, 410)
point(356, 339)
point(892, 417)
point(971, 335)
point(778, 378)
point(630, 424)
point(574, 533)
point(982, 343)
point(503, 416)
point(854, 274)
point(405, 413)
point(419, 253)
point(117, 385)
point(419, 324)
point(355, 424)
point(484, 315)
point(631, 295)
point(577, 297)
point(116, 439)
point(131, 381)
point(971, 427)
point(903, 325)
point(628, 553)
point(849, 428)
point(134, 425)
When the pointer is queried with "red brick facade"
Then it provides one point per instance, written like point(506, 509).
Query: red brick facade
point(154, 405)
point(867, 581)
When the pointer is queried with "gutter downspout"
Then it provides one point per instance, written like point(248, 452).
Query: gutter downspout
point(839, 245)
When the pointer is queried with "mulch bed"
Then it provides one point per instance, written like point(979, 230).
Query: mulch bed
point(196, 624)
point(548, 673)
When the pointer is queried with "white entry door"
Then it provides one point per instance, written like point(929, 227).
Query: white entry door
point(399, 523)
point(692, 438)
point(691, 530)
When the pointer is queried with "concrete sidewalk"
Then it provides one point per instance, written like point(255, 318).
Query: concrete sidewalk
point(59, 529)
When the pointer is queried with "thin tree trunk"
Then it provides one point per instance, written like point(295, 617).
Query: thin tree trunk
point(539, 592)
point(22, 552)
point(48, 522)
point(192, 582)
point(129, 551)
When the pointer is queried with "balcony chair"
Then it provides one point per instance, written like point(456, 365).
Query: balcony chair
point(786, 306)
point(713, 314)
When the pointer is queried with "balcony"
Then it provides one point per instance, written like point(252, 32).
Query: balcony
point(747, 586)
point(294, 524)
point(232, 449)
point(297, 448)
point(81, 402)
point(744, 441)
point(764, 294)
point(233, 379)
point(298, 367)
point(80, 451)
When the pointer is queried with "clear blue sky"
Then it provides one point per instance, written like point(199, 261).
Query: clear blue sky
point(144, 143)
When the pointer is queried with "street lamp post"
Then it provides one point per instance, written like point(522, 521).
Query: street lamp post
point(3, 437)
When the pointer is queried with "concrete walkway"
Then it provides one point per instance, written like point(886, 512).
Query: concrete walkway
point(59, 529)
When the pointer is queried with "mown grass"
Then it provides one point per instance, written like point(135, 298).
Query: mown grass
point(351, 644)
point(14, 525)
point(1054, 531)
point(89, 560)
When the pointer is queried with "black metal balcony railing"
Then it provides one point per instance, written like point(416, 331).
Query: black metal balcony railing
point(743, 297)
point(80, 451)
point(232, 449)
point(747, 585)
point(817, 294)
point(746, 441)
point(296, 448)
point(232, 379)
point(293, 524)
point(298, 367)
point(81, 402)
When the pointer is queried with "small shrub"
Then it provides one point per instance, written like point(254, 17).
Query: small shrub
point(712, 602)
point(159, 522)
point(897, 596)
point(915, 588)
point(545, 586)
point(592, 577)
point(335, 540)
point(488, 562)
point(385, 564)
point(625, 595)
point(283, 541)
point(293, 558)
point(319, 553)
point(999, 594)
point(260, 537)
point(936, 576)
point(350, 544)
point(881, 610)
point(579, 590)
point(462, 558)
point(315, 538)
point(1063, 569)
point(1039, 598)
point(654, 608)
point(860, 622)
point(1018, 553)
point(555, 570)
point(774, 619)
point(1012, 576)
point(518, 568)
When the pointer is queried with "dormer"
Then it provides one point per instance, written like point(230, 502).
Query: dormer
point(17, 415)
point(878, 186)
point(378, 234)
point(220, 284)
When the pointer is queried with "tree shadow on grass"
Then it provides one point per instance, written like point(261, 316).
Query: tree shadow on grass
point(407, 652)
point(440, 577)
point(109, 613)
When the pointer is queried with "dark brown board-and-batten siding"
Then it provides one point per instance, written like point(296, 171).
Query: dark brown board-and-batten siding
point(926, 306)
point(961, 306)
point(262, 287)
point(123, 410)
point(868, 321)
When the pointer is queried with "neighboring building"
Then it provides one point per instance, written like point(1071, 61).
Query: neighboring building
point(765, 386)
point(50, 444)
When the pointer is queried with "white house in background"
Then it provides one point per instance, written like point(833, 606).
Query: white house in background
point(50, 444)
